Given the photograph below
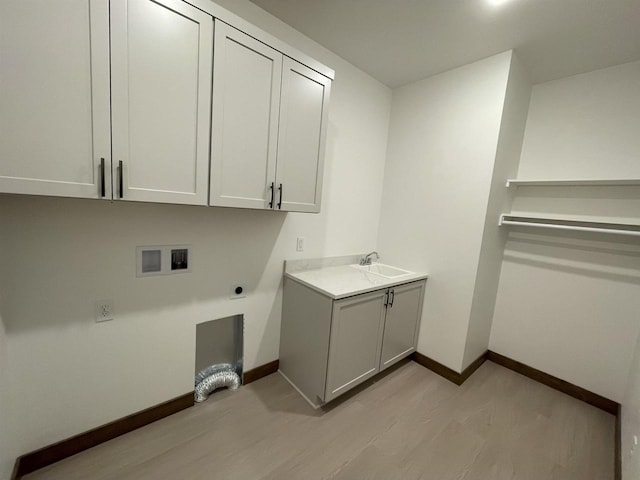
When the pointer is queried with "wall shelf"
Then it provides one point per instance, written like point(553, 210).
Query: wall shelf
point(575, 183)
point(570, 224)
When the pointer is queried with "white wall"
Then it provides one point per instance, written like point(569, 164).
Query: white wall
point(5, 460)
point(67, 374)
point(584, 126)
point(568, 303)
point(512, 125)
point(631, 420)
point(442, 145)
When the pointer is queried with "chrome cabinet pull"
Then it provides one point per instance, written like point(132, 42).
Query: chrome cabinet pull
point(392, 294)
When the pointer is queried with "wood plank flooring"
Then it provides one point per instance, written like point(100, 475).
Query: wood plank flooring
point(407, 424)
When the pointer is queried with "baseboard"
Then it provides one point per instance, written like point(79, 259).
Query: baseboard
point(259, 372)
point(16, 468)
point(539, 376)
point(561, 385)
point(618, 445)
point(574, 391)
point(554, 382)
point(446, 372)
point(50, 454)
point(30, 462)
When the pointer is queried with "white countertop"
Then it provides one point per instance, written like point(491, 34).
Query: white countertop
point(340, 281)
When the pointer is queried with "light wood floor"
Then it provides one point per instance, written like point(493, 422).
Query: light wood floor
point(408, 424)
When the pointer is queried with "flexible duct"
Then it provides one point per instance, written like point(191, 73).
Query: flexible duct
point(219, 367)
point(220, 378)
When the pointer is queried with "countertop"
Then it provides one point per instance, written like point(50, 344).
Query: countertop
point(336, 278)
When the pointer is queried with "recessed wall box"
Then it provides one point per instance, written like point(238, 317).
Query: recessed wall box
point(162, 260)
point(179, 259)
point(151, 261)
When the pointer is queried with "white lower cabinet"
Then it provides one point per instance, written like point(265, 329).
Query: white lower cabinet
point(329, 346)
point(402, 316)
point(357, 325)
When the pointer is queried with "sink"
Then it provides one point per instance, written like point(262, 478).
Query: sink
point(383, 270)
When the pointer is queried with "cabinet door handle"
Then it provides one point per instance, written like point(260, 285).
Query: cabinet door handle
point(280, 201)
point(386, 299)
point(120, 179)
point(103, 188)
point(273, 193)
point(392, 297)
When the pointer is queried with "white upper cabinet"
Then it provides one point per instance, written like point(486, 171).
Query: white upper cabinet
point(82, 76)
point(161, 55)
point(301, 138)
point(246, 97)
point(269, 127)
point(113, 99)
point(54, 98)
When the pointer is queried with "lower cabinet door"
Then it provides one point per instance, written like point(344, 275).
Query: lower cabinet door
point(355, 343)
point(404, 310)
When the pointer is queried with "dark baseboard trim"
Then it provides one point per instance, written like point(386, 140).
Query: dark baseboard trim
point(259, 372)
point(554, 382)
point(561, 385)
point(446, 372)
point(16, 469)
point(30, 462)
point(618, 445)
point(467, 372)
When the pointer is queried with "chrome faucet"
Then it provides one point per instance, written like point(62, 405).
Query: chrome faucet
point(366, 260)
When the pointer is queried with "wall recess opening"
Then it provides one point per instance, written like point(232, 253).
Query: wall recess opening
point(219, 352)
point(151, 261)
point(179, 258)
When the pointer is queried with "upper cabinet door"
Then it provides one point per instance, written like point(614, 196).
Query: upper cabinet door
point(54, 98)
point(246, 98)
point(301, 139)
point(161, 61)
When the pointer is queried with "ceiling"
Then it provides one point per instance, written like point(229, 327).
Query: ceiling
point(401, 41)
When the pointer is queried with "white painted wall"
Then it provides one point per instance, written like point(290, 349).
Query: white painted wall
point(5, 460)
point(631, 420)
point(568, 303)
point(62, 374)
point(442, 145)
point(584, 126)
point(514, 116)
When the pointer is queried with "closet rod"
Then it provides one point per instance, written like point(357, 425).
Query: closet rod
point(615, 231)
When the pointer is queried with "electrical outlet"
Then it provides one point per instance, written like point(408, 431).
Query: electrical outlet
point(300, 244)
point(238, 290)
point(104, 310)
